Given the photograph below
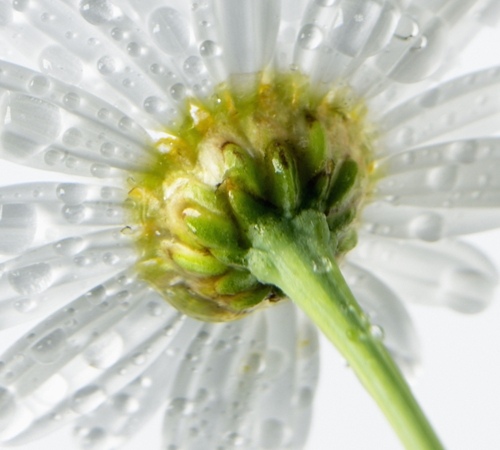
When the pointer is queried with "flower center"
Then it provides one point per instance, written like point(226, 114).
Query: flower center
point(276, 151)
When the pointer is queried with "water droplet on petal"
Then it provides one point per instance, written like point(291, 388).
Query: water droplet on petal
point(31, 279)
point(107, 65)
point(87, 399)
point(49, 348)
point(71, 194)
point(427, 227)
point(442, 178)
point(39, 85)
point(272, 433)
point(209, 49)
point(310, 37)
point(126, 404)
point(98, 12)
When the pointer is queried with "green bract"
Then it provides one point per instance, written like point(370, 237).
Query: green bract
point(235, 160)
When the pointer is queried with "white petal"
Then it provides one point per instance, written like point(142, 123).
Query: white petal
point(390, 320)
point(446, 273)
point(38, 281)
point(53, 126)
point(252, 385)
point(39, 213)
point(438, 111)
point(68, 365)
point(459, 174)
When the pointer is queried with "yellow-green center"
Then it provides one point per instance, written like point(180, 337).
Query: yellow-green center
point(275, 151)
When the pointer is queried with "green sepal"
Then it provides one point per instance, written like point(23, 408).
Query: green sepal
point(194, 261)
point(247, 300)
point(284, 189)
point(345, 180)
point(317, 149)
point(246, 208)
point(318, 188)
point(241, 169)
point(235, 281)
point(211, 230)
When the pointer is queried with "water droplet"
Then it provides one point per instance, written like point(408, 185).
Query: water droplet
point(421, 43)
point(305, 398)
point(325, 2)
point(108, 348)
point(431, 98)
point(253, 364)
point(139, 359)
point(96, 295)
point(20, 5)
point(107, 65)
point(71, 193)
point(193, 66)
point(272, 433)
point(74, 214)
point(155, 309)
point(310, 37)
point(71, 101)
point(31, 279)
point(72, 137)
point(100, 170)
point(178, 91)
point(154, 105)
point(98, 12)
point(464, 152)
point(377, 332)
point(25, 304)
point(209, 49)
point(7, 407)
point(442, 178)
point(87, 399)
point(103, 114)
point(126, 124)
point(53, 157)
point(126, 404)
point(39, 85)
point(134, 49)
point(427, 227)
point(180, 406)
point(170, 30)
point(466, 290)
point(49, 348)
point(94, 438)
point(407, 28)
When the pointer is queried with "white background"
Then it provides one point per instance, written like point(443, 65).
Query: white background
point(459, 386)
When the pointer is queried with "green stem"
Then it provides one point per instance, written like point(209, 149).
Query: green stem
point(286, 255)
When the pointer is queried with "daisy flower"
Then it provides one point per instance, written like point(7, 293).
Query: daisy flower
point(221, 180)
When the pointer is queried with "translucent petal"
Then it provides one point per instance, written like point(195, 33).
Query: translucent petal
point(69, 364)
point(97, 45)
point(336, 37)
point(390, 320)
point(459, 174)
point(446, 273)
point(54, 126)
point(38, 281)
point(125, 412)
point(448, 107)
point(228, 399)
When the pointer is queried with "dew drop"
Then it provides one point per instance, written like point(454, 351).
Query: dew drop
point(71, 193)
point(464, 152)
point(49, 349)
point(442, 178)
point(39, 85)
point(193, 66)
point(310, 37)
point(74, 214)
point(31, 279)
point(20, 5)
point(466, 290)
point(305, 398)
point(100, 170)
point(53, 157)
point(209, 49)
point(272, 433)
point(180, 406)
point(427, 227)
point(178, 91)
point(71, 101)
point(253, 364)
point(7, 407)
point(25, 304)
point(107, 65)
point(72, 137)
point(377, 332)
point(108, 348)
point(87, 399)
point(96, 295)
point(134, 49)
point(98, 12)
point(153, 105)
point(126, 404)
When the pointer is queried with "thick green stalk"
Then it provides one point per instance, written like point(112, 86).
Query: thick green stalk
point(302, 266)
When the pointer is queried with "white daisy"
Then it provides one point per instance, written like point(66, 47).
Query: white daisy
point(171, 124)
